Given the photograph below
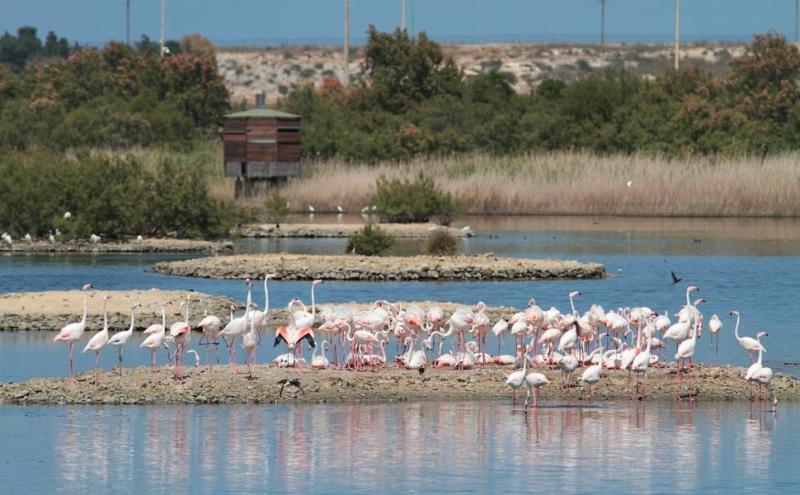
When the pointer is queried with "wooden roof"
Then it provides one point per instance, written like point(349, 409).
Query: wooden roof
point(261, 113)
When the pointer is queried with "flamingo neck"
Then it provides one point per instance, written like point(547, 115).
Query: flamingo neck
point(736, 329)
point(85, 308)
point(266, 297)
point(163, 319)
point(688, 303)
point(130, 330)
point(105, 316)
point(313, 304)
point(187, 310)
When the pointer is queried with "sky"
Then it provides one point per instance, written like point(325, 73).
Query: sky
point(274, 22)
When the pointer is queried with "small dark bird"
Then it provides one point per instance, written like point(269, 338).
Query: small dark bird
point(290, 382)
point(421, 370)
point(675, 278)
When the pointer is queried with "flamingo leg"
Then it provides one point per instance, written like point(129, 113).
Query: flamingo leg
point(96, 366)
point(69, 359)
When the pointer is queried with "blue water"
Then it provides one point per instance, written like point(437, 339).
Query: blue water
point(448, 447)
point(428, 447)
point(762, 287)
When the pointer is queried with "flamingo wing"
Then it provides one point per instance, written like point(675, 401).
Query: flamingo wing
point(280, 335)
point(308, 335)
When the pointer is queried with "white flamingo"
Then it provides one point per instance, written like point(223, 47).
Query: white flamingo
point(156, 339)
point(749, 344)
point(99, 341)
point(121, 338)
point(74, 331)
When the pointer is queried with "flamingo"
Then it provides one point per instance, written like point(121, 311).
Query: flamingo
point(592, 374)
point(517, 378)
point(749, 344)
point(156, 339)
point(121, 338)
point(249, 343)
point(180, 332)
point(261, 317)
point(686, 351)
point(293, 334)
point(99, 341)
point(757, 366)
point(414, 360)
point(210, 325)
point(320, 362)
point(568, 364)
point(640, 364)
point(534, 381)
point(714, 326)
point(237, 327)
point(763, 377)
point(499, 329)
point(74, 331)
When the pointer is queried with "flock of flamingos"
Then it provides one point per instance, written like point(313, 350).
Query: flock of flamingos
point(624, 339)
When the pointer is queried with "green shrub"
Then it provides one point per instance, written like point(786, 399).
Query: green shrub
point(110, 196)
point(441, 243)
point(406, 201)
point(276, 208)
point(371, 240)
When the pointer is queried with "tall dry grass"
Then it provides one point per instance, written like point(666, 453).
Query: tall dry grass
point(568, 184)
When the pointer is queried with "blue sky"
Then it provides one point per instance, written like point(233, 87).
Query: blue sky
point(305, 21)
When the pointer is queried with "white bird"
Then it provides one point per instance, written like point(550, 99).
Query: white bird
point(7, 238)
point(321, 361)
point(629, 183)
point(373, 208)
point(99, 340)
point(340, 209)
point(714, 326)
point(58, 232)
point(121, 338)
point(74, 331)
point(365, 209)
point(749, 344)
point(756, 367)
point(534, 380)
point(592, 374)
point(139, 238)
point(50, 237)
point(67, 214)
point(517, 378)
point(310, 209)
point(156, 338)
point(94, 238)
point(28, 237)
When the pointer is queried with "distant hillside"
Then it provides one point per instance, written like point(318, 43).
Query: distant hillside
point(275, 70)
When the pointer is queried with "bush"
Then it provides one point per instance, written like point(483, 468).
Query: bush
point(371, 240)
point(407, 201)
point(110, 196)
point(441, 243)
point(276, 208)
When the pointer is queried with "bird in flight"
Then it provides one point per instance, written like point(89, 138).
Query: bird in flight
point(675, 278)
point(290, 382)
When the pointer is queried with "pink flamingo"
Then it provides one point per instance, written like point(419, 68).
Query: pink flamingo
point(74, 331)
point(99, 341)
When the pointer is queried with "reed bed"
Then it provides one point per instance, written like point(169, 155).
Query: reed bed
point(571, 183)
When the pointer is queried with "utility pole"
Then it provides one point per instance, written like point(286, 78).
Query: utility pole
point(128, 22)
point(403, 15)
point(161, 39)
point(677, 33)
point(603, 22)
point(412, 18)
point(346, 42)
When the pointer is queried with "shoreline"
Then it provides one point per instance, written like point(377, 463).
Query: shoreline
point(379, 268)
point(150, 245)
point(339, 230)
point(387, 384)
point(51, 310)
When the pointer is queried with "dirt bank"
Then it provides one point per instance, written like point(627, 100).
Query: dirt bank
point(49, 311)
point(149, 245)
point(311, 230)
point(221, 385)
point(347, 267)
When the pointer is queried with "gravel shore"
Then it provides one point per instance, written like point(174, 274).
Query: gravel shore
point(221, 386)
point(51, 310)
point(403, 230)
point(379, 268)
point(149, 245)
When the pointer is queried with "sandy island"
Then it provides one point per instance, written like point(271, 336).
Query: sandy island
point(222, 386)
point(379, 268)
point(149, 245)
point(311, 230)
point(51, 310)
